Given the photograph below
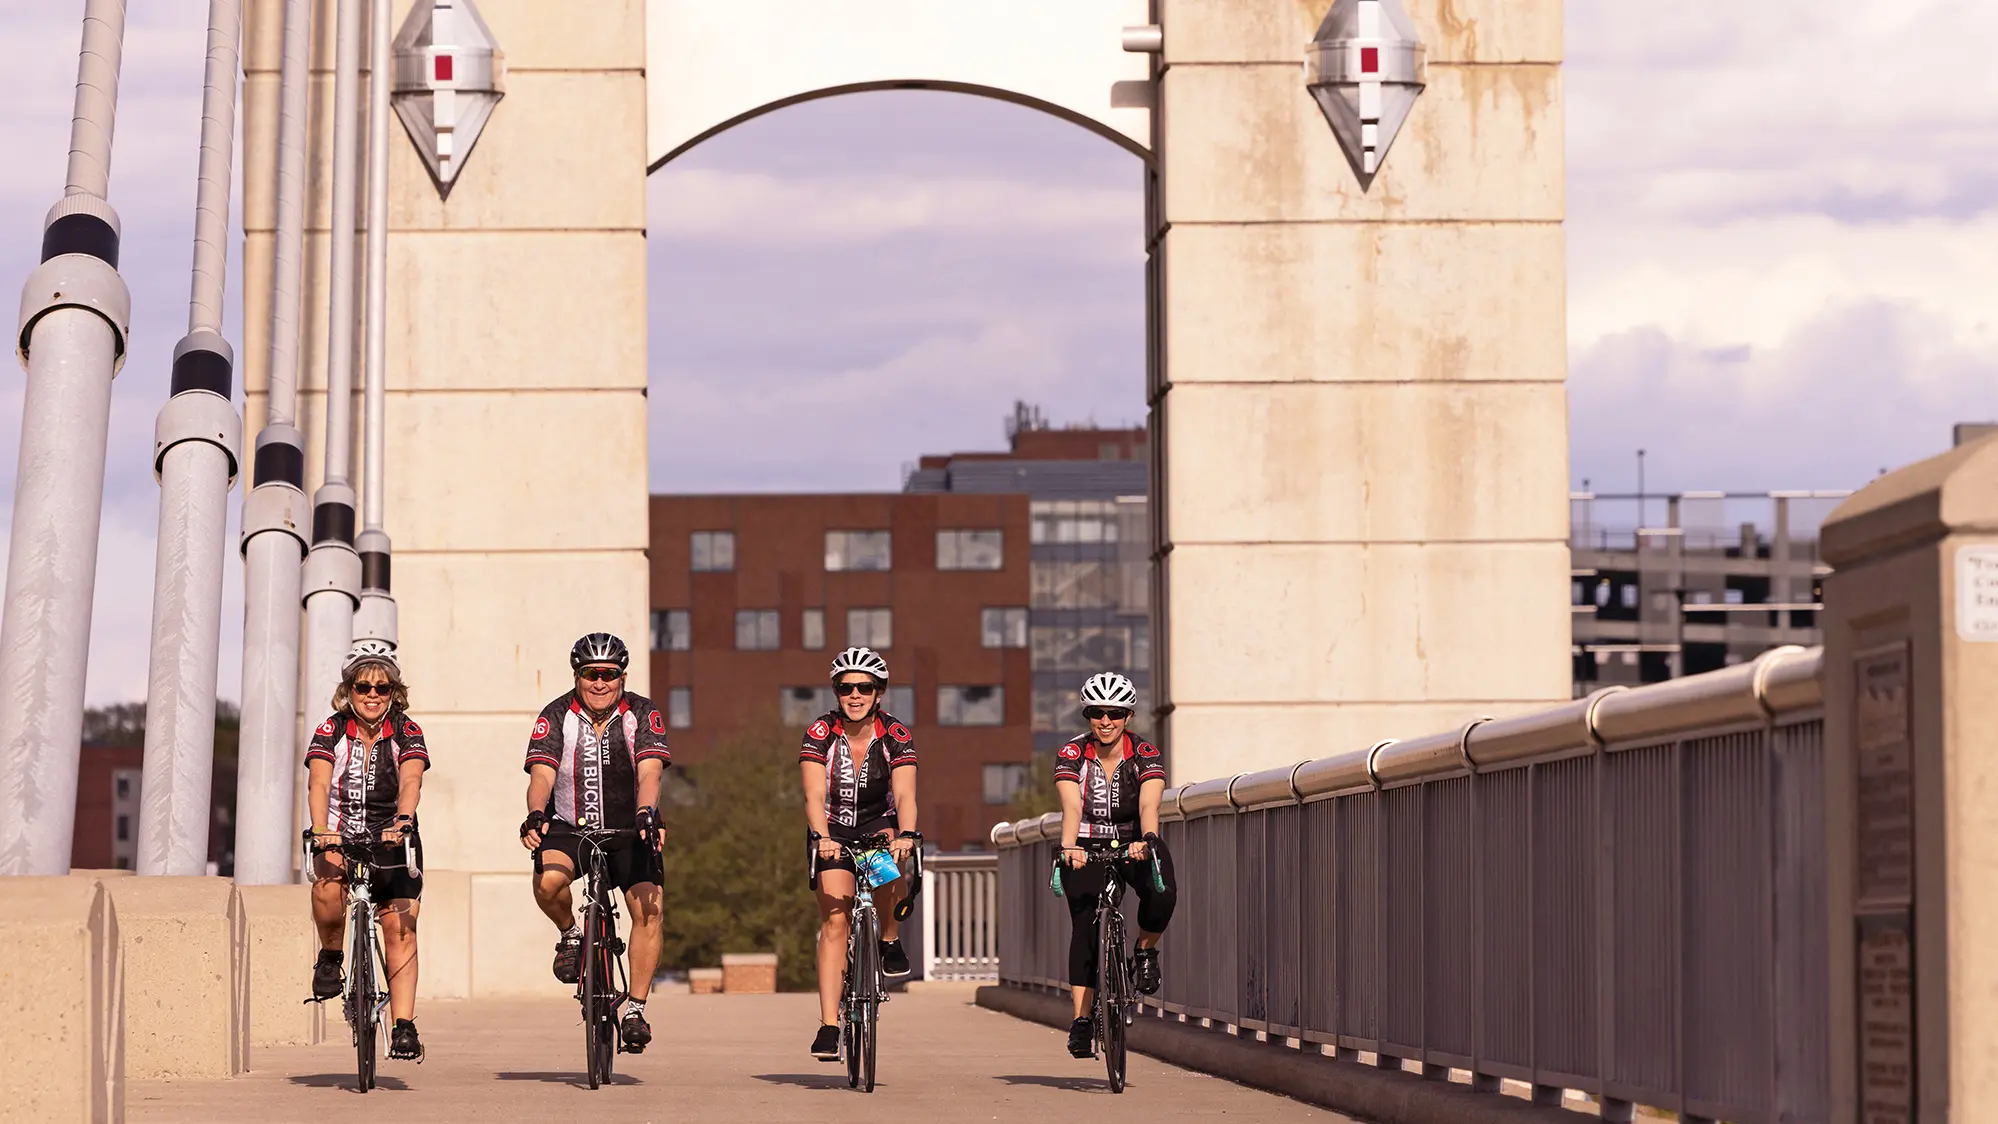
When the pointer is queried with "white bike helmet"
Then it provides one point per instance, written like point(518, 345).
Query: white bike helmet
point(371, 651)
point(860, 659)
point(1108, 688)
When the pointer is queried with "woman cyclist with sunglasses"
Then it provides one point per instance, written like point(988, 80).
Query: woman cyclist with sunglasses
point(859, 767)
point(364, 774)
point(1110, 784)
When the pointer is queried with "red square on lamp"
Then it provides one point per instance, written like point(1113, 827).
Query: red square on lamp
point(1370, 60)
point(444, 68)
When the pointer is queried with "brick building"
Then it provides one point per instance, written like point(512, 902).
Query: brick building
point(107, 807)
point(752, 595)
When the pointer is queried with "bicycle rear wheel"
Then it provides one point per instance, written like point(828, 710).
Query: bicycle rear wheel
point(361, 998)
point(597, 1031)
point(1111, 990)
point(867, 1027)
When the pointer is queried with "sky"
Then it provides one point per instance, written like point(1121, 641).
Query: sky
point(1782, 236)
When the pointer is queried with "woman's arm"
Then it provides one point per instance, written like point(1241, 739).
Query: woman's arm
point(1071, 818)
point(1148, 815)
point(903, 782)
point(318, 788)
point(815, 795)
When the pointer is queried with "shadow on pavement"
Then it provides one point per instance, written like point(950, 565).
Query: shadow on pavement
point(345, 1081)
point(1048, 1081)
point(811, 1080)
point(580, 1081)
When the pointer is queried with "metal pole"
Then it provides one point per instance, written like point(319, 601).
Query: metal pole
point(75, 311)
point(194, 455)
point(332, 569)
point(376, 617)
point(275, 515)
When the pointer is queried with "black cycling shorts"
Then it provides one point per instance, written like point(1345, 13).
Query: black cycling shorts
point(385, 883)
point(629, 862)
point(849, 835)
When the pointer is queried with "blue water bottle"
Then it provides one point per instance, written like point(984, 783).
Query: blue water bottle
point(880, 867)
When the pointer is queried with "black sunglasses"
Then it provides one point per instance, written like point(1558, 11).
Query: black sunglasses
point(856, 689)
point(1094, 712)
point(383, 689)
point(600, 674)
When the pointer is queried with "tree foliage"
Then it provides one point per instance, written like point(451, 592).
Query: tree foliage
point(735, 858)
point(1038, 796)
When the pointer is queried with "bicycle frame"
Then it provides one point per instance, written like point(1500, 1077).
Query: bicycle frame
point(864, 991)
point(604, 983)
point(367, 996)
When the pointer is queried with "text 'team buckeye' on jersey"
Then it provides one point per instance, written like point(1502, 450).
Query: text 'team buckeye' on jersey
point(596, 772)
point(365, 787)
point(858, 792)
point(1109, 797)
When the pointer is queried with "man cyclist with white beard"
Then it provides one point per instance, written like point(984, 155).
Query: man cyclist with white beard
point(595, 758)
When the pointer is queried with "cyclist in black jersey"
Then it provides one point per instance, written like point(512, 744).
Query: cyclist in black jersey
point(364, 774)
point(1110, 784)
point(859, 767)
point(596, 758)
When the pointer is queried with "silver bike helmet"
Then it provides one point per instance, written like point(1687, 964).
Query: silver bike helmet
point(865, 660)
point(1108, 688)
point(599, 647)
point(371, 651)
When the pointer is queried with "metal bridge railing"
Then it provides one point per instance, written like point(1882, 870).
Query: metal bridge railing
point(1623, 895)
point(960, 893)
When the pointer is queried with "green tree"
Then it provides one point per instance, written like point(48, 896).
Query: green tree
point(1038, 796)
point(735, 858)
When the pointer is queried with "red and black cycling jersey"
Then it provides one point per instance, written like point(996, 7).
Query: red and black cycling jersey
point(858, 792)
point(1109, 796)
point(596, 771)
point(366, 785)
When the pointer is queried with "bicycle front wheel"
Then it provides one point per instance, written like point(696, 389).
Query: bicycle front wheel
point(361, 998)
point(1111, 989)
point(597, 1029)
point(870, 1008)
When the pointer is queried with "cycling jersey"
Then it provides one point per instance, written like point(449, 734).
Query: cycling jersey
point(596, 775)
point(365, 786)
point(1109, 797)
point(858, 791)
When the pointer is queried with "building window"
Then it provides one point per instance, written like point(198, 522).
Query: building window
point(799, 706)
point(672, 630)
point(124, 828)
point(857, 550)
point(1734, 597)
point(870, 628)
point(713, 551)
point(680, 707)
point(1003, 628)
point(122, 785)
point(1628, 595)
point(755, 630)
point(971, 706)
point(902, 704)
point(813, 631)
point(971, 550)
point(1004, 782)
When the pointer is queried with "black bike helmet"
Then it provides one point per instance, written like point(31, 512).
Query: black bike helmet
point(599, 647)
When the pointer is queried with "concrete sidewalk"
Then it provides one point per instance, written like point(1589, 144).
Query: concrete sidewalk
point(717, 1057)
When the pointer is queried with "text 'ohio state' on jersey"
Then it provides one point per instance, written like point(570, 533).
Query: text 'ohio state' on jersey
point(858, 792)
point(365, 792)
point(596, 776)
point(1109, 798)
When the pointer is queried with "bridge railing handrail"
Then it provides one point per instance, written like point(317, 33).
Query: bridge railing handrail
point(1623, 894)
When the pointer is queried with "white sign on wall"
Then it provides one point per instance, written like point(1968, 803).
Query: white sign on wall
point(1977, 593)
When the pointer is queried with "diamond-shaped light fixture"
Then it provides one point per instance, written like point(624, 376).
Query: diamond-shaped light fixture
point(449, 74)
point(1365, 68)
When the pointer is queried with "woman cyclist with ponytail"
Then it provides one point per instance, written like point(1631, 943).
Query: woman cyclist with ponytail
point(859, 768)
point(1110, 784)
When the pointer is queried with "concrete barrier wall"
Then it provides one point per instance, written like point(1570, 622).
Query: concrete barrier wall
point(444, 936)
point(186, 955)
point(62, 1001)
point(512, 944)
point(282, 948)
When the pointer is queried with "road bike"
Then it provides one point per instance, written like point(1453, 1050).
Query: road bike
point(367, 997)
point(865, 990)
point(1116, 1000)
point(603, 985)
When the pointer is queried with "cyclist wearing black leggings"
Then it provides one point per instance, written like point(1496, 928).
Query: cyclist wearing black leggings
point(1110, 783)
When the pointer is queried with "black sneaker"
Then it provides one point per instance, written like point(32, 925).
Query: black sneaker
point(1145, 970)
point(894, 961)
point(329, 975)
point(403, 1042)
point(635, 1031)
point(1081, 1039)
point(569, 958)
point(825, 1045)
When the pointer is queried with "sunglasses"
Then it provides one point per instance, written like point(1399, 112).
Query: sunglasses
point(856, 689)
point(600, 674)
point(382, 689)
point(1115, 713)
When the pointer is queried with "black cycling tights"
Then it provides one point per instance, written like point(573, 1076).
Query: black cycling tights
point(1081, 887)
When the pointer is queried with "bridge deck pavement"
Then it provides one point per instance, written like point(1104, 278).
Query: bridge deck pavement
point(715, 1057)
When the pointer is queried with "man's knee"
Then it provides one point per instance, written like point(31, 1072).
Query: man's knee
point(551, 884)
